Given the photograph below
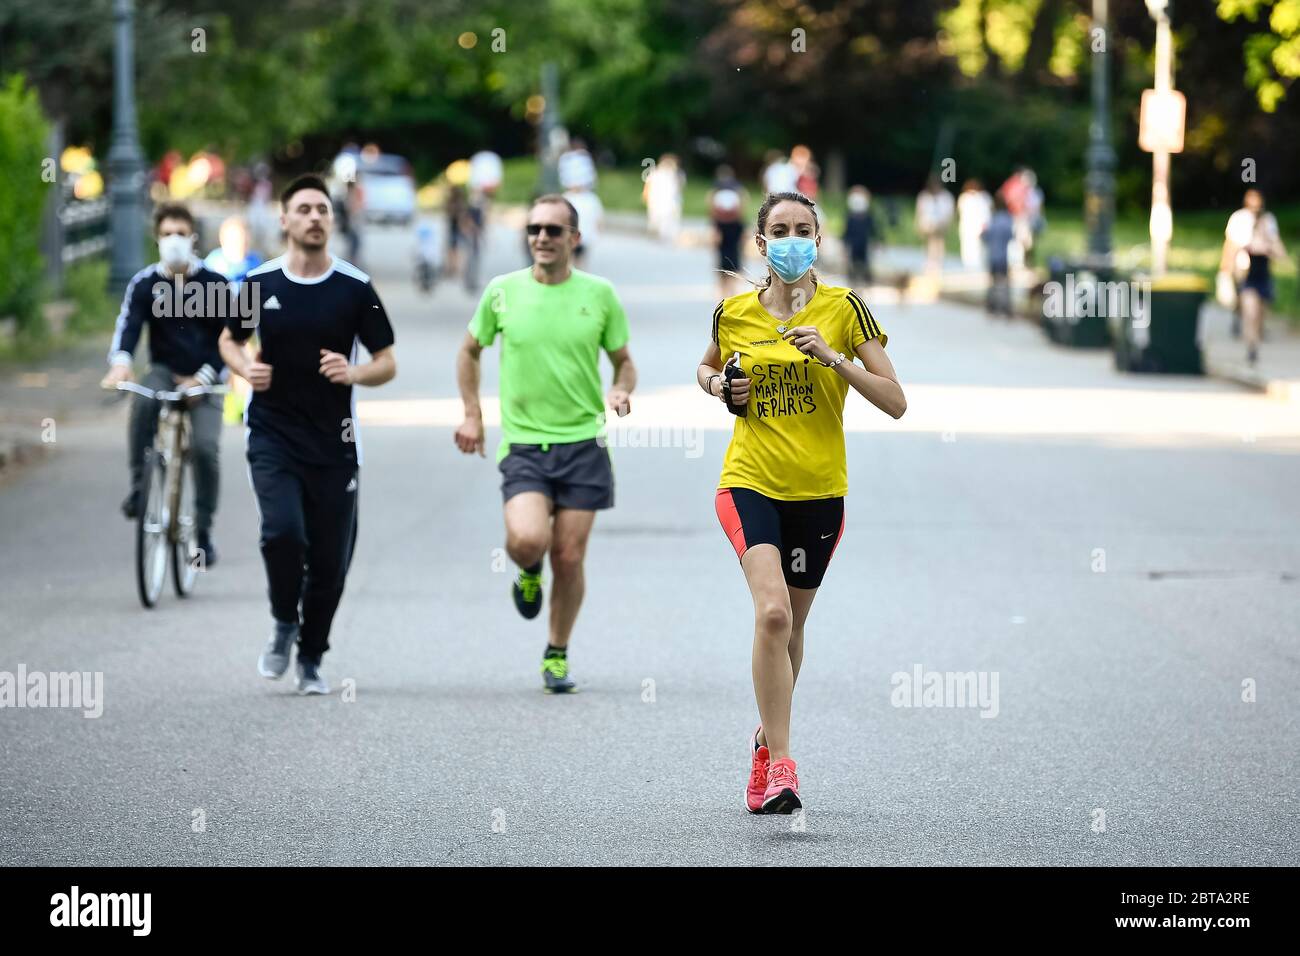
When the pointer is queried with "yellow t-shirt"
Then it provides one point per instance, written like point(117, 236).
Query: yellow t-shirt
point(790, 445)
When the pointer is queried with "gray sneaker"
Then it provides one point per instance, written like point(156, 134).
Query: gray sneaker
point(309, 678)
point(275, 658)
point(555, 676)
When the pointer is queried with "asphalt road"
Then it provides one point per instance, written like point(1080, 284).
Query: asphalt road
point(978, 529)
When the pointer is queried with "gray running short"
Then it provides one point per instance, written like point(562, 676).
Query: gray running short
point(576, 475)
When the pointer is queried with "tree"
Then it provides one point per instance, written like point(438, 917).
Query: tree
point(26, 172)
point(1272, 57)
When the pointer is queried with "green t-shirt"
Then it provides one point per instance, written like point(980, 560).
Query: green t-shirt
point(551, 339)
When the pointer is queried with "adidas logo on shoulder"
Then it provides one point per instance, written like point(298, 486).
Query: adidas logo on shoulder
point(271, 303)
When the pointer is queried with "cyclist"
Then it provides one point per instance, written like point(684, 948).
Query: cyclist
point(780, 498)
point(304, 450)
point(462, 230)
point(184, 306)
point(556, 474)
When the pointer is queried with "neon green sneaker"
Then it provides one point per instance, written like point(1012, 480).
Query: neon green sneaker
point(555, 675)
point(527, 592)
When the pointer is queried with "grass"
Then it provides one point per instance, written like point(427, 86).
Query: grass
point(86, 284)
point(1198, 233)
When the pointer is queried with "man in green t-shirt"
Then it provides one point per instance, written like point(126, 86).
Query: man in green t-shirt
point(554, 321)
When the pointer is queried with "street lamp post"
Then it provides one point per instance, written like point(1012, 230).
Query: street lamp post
point(1162, 217)
point(1099, 204)
point(125, 160)
point(550, 133)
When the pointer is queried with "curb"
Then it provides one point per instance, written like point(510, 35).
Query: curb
point(1277, 389)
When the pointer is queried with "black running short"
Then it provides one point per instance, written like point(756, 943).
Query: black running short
point(729, 246)
point(804, 532)
point(576, 475)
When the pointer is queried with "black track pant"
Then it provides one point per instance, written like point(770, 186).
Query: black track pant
point(309, 528)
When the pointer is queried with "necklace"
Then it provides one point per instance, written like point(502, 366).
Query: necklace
point(783, 327)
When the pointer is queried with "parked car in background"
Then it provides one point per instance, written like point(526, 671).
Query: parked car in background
point(387, 188)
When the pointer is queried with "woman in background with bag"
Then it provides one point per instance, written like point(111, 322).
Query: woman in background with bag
point(1251, 240)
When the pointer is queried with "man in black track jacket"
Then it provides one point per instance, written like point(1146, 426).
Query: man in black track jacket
point(184, 305)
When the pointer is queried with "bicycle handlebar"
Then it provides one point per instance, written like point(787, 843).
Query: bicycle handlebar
point(173, 396)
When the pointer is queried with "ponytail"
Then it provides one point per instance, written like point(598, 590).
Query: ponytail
point(764, 210)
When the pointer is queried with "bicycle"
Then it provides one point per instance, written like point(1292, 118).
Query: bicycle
point(165, 526)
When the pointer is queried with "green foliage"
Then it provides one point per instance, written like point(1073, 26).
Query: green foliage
point(86, 284)
point(875, 82)
point(23, 132)
point(1272, 58)
point(263, 91)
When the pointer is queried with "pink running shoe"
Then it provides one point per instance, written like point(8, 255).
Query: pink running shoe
point(782, 794)
point(758, 760)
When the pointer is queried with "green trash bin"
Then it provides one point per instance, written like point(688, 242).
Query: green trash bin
point(1168, 339)
point(1069, 301)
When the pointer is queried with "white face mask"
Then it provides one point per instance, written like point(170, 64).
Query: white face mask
point(175, 251)
point(858, 203)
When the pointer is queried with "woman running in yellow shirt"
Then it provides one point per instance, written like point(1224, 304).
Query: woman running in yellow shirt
point(781, 495)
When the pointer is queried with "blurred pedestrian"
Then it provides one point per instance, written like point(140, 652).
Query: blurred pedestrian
point(974, 210)
point(262, 218)
point(807, 172)
point(663, 197)
point(486, 172)
point(1025, 204)
point(779, 174)
point(934, 211)
point(233, 258)
point(461, 228)
point(727, 214)
point(476, 211)
point(998, 237)
point(241, 184)
point(859, 232)
point(893, 214)
point(427, 255)
point(575, 167)
point(349, 214)
point(591, 216)
point(1251, 240)
point(1035, 221)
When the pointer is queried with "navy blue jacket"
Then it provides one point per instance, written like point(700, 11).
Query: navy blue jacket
point(184, 321)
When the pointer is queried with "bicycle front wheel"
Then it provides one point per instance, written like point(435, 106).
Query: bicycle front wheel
point(187, 560)
point(151, 529)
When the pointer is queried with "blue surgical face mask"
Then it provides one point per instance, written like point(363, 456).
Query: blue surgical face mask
point(791, 256)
